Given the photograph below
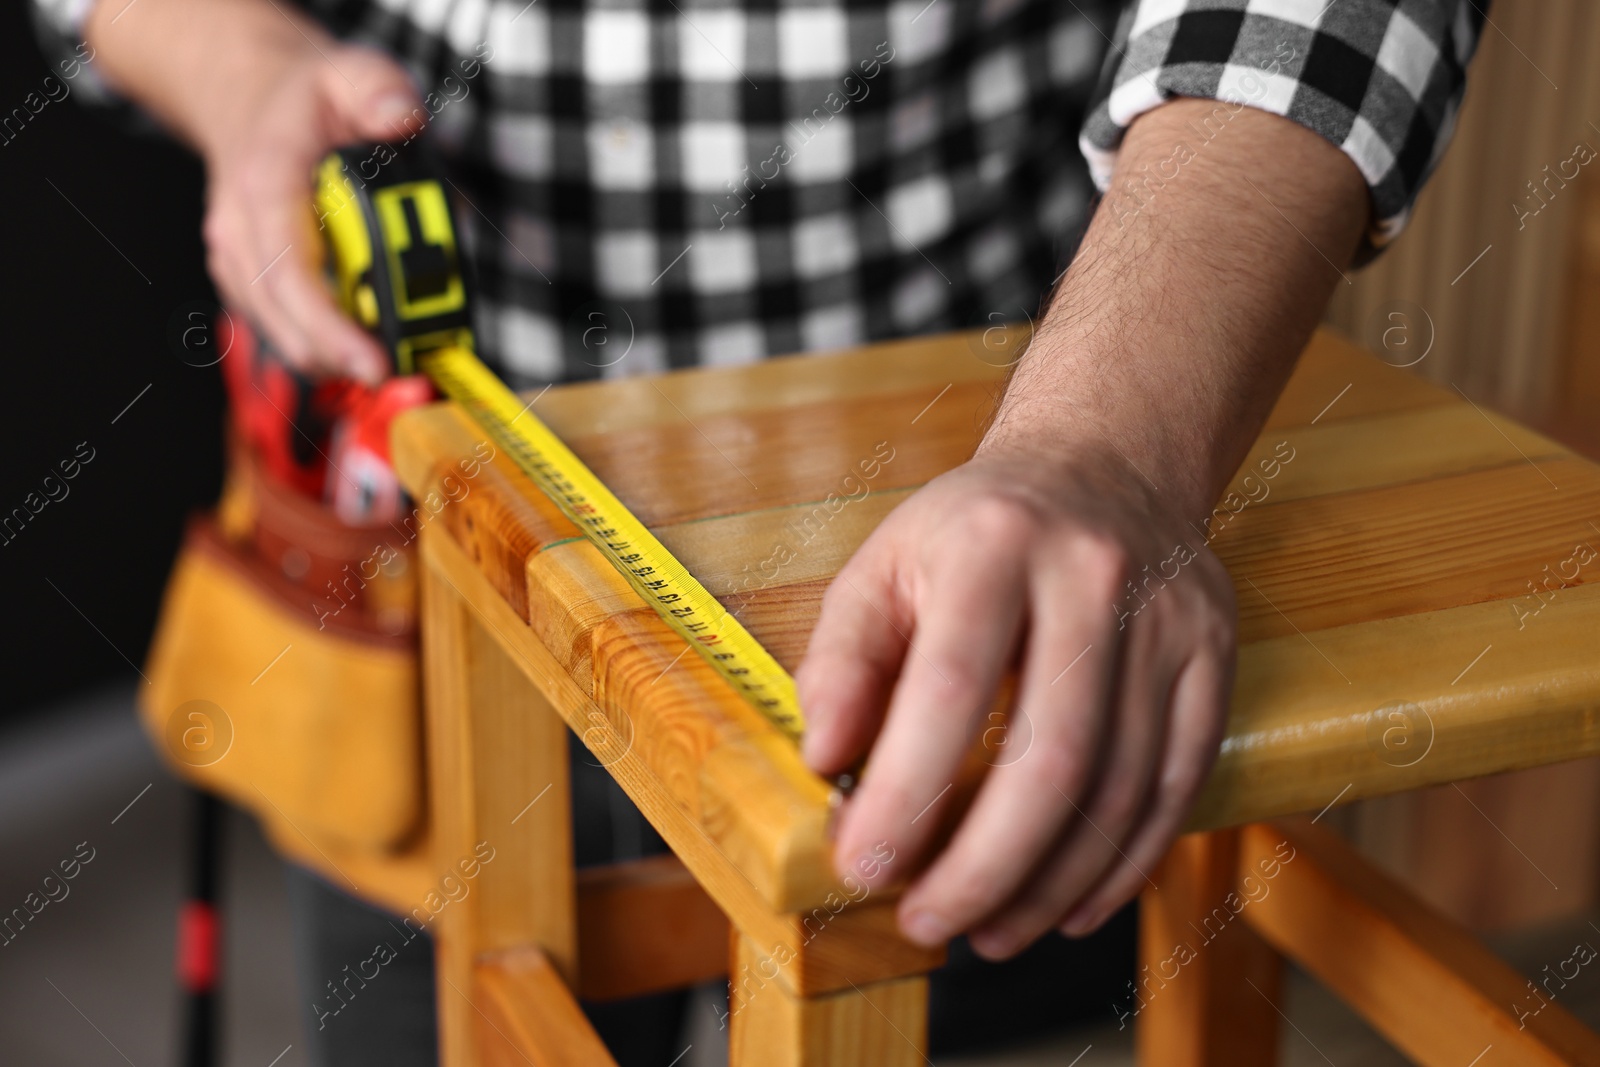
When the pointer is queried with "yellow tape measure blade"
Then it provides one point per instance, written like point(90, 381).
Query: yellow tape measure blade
point(654, 573)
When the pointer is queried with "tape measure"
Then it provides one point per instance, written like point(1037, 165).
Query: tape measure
point(397, 270)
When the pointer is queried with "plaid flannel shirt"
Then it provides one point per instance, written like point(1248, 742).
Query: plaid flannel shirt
point(657, 183)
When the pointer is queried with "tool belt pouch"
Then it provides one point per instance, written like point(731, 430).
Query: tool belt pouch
point(283, 675)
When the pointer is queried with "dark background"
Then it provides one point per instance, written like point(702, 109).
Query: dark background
point(84, 334)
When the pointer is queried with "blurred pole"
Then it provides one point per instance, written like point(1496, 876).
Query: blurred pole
point(199, 944)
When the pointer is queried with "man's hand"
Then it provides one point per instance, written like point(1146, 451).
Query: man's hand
point(263, 247)
point(263, 94)
point(1123, 694)
point(1069, 548)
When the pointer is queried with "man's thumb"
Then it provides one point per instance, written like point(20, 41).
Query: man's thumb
point(375, 98)
point(394, 116)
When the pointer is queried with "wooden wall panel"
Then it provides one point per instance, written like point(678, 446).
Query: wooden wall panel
point(1499, 328)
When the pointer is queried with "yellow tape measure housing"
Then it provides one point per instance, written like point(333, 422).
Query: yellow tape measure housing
point(396, 266)
point(396, 270)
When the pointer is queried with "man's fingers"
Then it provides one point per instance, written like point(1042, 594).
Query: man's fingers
point(359, 94)
point(1121, 794)
point(265, 247)
point(235, 266)
point(311, 331)
point(852, 660)
point(1191, 749)
point(1050, 748)
point(224, 260)
point(969, 599)
point(276, 248)
point(337, 344)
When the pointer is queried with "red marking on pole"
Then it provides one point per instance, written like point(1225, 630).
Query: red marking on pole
point(197, 946)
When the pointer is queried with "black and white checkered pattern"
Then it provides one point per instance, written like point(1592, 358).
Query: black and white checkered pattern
point(706, 181)
point(657, 183)
point(1382, 79)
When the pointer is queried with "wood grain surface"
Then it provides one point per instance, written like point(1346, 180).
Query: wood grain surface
point(523, 1013)
point(1412, 604)
point(1224, 1011)
point(1420, 980)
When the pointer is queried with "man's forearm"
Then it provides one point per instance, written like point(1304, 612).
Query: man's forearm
point(1190, 298)
point(195, 63)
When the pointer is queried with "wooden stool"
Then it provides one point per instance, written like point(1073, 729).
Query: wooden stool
point(1378, 535)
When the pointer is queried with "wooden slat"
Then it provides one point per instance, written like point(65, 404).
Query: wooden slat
point(1310, 711)
point(447, 685)
point(1347, 558)
point(726, 766)
point(500, 804)
point(524, 1014)
point(738, 557)
point(520, 809)
point(1335, 379)
point(1392, 448)
point(739, 463)
point(644, 927)
point(575, 596)
point(1205, 994)
point(885, 369)
point(882, 1024)
point(1421, 981)
point(491, 509)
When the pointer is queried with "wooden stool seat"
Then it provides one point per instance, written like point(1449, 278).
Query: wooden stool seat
point(1381, 535)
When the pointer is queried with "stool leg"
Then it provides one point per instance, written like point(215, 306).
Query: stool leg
point(878, 1024)
point(500, 805)
point(1207, 984)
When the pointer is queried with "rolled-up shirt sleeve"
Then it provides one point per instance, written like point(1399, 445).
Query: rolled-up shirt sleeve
point(58, 27)
point(1381, 80)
